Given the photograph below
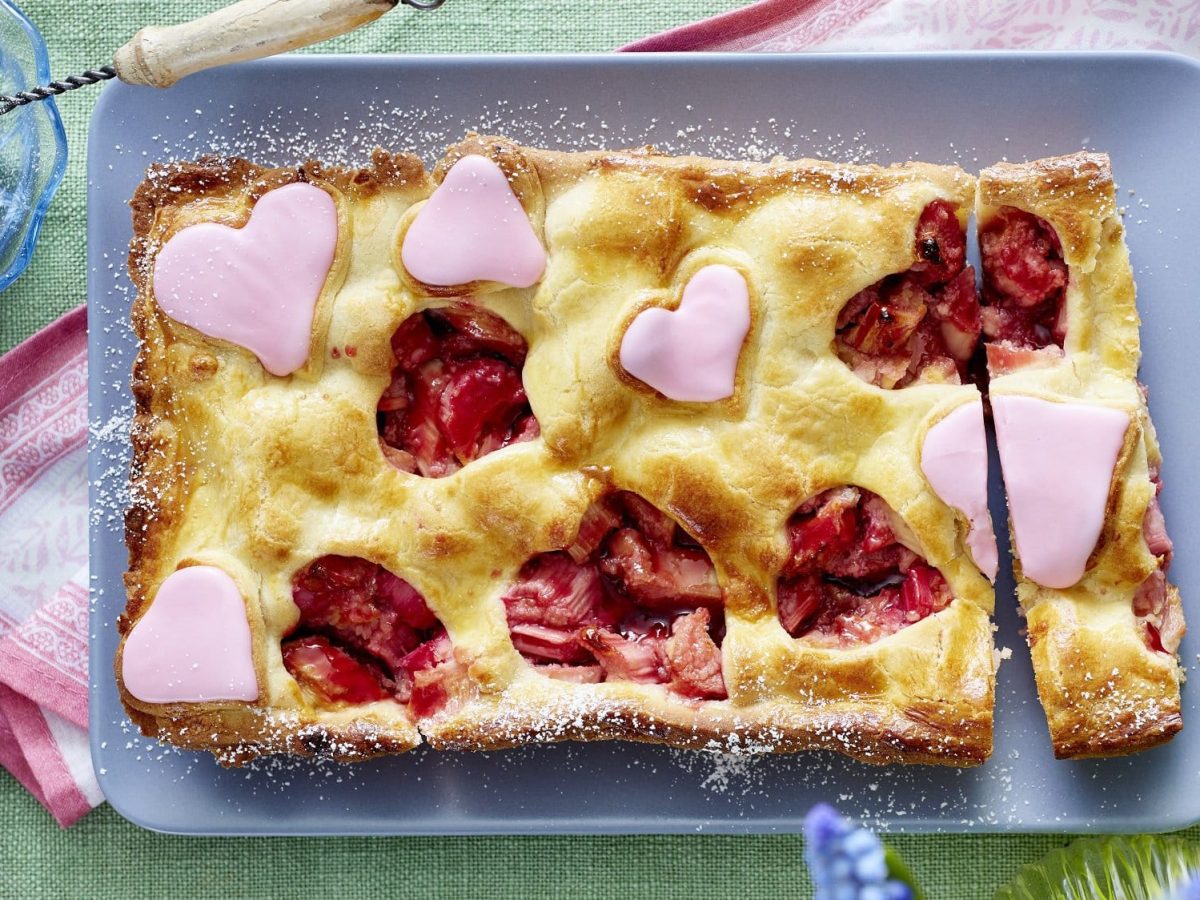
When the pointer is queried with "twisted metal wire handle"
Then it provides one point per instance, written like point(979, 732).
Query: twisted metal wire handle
point(9, 102)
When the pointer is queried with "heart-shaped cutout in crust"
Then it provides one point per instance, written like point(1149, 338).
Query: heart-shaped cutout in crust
point(473, 228)
point(691, 353)
point(255, 286)
point(1057, 460)
point(954, 460)
point(193, 643)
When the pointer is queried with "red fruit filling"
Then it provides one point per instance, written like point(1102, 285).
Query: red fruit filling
point(1161, 618)
point(634, 598)
point(922, 324)
point(848, 579)
point(456, 391)
point(1024, 282)
point(331, 672)
point(366, 635)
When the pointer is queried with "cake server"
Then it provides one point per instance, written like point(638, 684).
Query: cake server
point(159, 56)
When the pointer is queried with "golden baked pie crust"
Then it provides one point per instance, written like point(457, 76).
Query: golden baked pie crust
point(260, 475)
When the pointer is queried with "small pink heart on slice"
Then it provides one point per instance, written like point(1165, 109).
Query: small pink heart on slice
point(954, 460)
point(1057, 460)
point(193, 643)
point(691, 353)
point(255, 286)
point(473, 228)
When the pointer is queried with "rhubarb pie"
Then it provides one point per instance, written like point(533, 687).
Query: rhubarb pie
point(542, 446)
point(1079, 455)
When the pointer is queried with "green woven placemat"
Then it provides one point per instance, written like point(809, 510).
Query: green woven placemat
point(105, 857)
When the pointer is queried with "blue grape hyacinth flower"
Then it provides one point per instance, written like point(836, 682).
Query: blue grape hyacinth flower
point(847, 861)
point(1189, 890)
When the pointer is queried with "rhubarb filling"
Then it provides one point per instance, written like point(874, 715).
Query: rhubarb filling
point(634, 598)
point(365, 635)
point(1161, 619)
point(849, 579)
point(919, 325)
point(1024, 288)
point(456, 392)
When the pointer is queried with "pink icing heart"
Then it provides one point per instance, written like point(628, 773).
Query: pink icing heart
point(691, 353)
point(1058, 461)
point(473, 228)
point(255, 286)
point(954, 459)
point(193, 643)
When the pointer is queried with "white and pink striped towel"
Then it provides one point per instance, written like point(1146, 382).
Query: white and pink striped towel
point(43, 404)
point(854, 25)
point(43, 568)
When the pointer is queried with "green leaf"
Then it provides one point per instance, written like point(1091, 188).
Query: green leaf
point(898, 869)
point(1115, 868)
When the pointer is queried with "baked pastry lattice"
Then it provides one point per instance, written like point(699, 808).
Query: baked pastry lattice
point(462, 517)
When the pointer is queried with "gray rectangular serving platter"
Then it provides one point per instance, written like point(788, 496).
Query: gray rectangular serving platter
point(970, 109)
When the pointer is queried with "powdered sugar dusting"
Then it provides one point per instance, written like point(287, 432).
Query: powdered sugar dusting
point(274, 136)
point(636, 787)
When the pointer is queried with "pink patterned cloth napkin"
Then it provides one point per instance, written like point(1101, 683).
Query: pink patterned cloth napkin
point(43, 568)
point(789, 25)
point(43, 383)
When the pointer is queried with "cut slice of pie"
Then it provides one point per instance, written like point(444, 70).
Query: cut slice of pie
point(1079, 455)
point(558, 446)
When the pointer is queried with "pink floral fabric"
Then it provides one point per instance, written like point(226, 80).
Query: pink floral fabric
point(1022, 25)
point(43, 566)
point(848, 25)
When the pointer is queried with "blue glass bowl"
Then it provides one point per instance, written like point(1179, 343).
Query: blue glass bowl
point(33, 145)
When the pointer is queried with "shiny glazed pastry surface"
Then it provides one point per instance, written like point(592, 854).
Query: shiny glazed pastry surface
point(443, 521)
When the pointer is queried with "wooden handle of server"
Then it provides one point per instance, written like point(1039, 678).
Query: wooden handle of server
point(250, 29)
